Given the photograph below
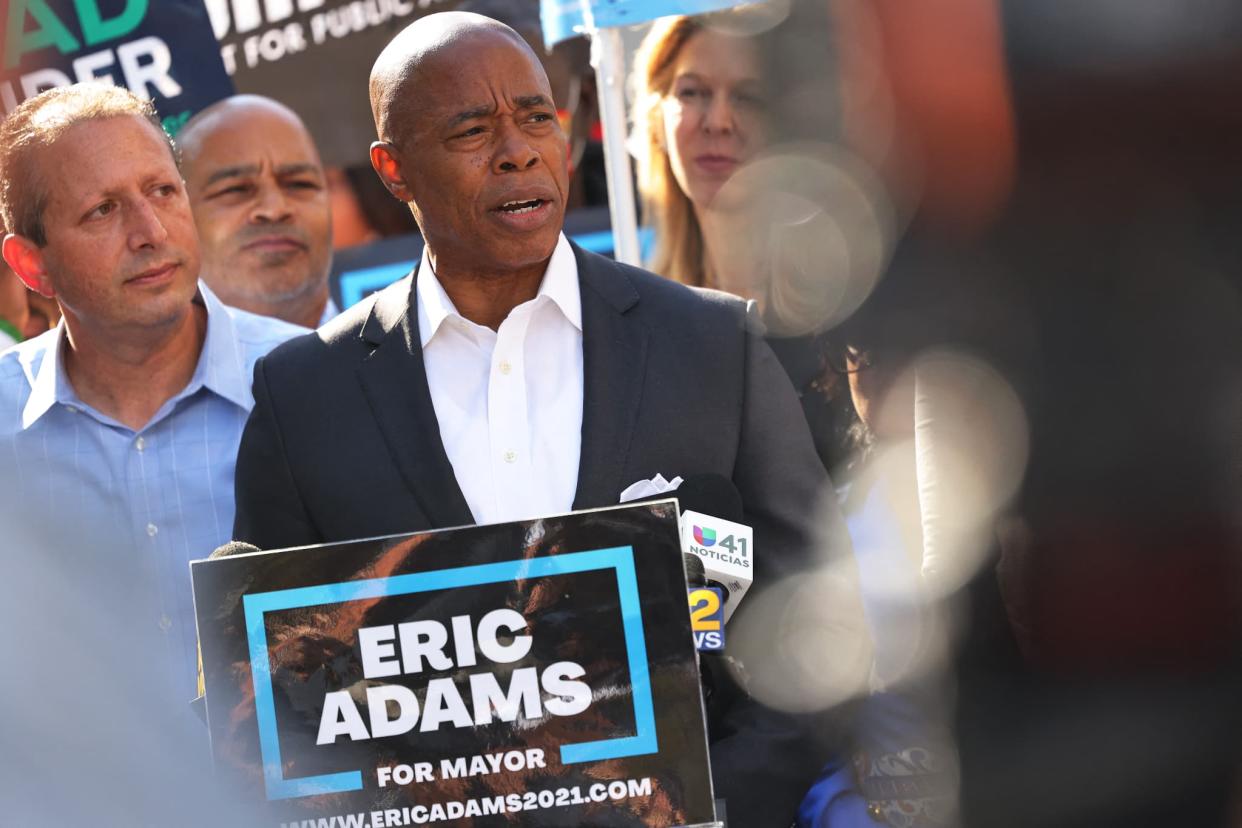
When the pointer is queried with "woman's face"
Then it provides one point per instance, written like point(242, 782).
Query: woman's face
point(714, 112)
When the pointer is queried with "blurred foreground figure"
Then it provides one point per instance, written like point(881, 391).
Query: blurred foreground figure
point(1081, 383)
point(514, 375)
point(120, 424)
point(261, 204)
point(1122, 573)
point(93, 732)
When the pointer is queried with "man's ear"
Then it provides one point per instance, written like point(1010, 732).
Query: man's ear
point(388, 168)
point(26, 259)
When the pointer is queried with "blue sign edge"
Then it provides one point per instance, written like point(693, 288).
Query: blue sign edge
point(356, 284)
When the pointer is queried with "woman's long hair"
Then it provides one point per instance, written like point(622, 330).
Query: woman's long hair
point(794, 53)
point(679, 250)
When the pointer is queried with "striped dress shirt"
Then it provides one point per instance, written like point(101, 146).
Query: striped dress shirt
point(137, 505)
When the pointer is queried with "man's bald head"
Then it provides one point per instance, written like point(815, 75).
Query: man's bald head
point(417, 48)
point(469, 138)
point(229, 113)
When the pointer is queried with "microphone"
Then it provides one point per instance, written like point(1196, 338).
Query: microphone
point(226, 551)
point(713, 533)
point(712, 494)
point(233, 548)
point(696, 576)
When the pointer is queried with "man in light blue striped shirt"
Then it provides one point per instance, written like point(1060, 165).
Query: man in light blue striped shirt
point(119, 428)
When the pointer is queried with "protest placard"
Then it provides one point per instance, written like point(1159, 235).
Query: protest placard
point(161, 51)
point(531, 673)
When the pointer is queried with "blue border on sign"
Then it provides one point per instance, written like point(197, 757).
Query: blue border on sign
point(356, 284)
point(618, 558)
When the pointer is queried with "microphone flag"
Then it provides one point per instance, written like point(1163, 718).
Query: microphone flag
point(726, 550)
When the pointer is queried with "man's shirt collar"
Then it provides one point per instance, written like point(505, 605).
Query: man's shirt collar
point(330, 312)
point(560, 285)
point(48, 382)
point(221, 367)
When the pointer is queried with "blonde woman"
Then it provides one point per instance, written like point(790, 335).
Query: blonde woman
point(738, 207)
point(700, 114)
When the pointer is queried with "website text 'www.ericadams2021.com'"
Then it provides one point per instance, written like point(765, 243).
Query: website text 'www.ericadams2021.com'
point(486, 806)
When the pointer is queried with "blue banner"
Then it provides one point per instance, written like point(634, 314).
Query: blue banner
point(563, 19)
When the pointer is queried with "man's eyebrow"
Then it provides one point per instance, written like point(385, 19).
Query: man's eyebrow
point(523, 102)
point(297, 169)
point(470, 114)
point(531, 101)
point(231, 172)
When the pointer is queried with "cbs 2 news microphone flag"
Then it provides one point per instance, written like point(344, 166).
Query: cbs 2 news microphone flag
point(537, 673)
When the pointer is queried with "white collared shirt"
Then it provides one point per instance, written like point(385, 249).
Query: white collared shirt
point(509, 402)
point(330, 312)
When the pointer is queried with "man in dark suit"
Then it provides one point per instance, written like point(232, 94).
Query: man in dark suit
point(514, 375)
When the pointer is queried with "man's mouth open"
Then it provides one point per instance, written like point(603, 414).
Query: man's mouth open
point(517, 208)
point(524, 214)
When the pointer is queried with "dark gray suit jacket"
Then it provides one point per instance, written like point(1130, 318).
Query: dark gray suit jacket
point(343, 443)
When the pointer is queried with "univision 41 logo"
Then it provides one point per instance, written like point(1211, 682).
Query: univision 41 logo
point(733, 548)
point(726, 550)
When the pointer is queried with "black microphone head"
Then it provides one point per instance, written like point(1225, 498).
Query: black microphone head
point(696, 575)
point(724, 590)
point(233, 548)
point(710, 494)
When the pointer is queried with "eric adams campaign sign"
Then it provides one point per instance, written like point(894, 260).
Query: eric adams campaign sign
point(536, 673)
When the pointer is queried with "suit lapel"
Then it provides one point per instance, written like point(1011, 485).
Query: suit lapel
point(614, 363)
point(394, 381)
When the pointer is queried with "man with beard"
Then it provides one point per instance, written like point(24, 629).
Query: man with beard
point(261, 204)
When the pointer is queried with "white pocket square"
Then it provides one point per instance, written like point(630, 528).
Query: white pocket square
point(648, 488)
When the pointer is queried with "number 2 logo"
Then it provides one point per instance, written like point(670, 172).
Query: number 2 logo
point(704, 603)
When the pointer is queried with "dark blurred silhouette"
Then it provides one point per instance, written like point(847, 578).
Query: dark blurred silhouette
point(1095, 268)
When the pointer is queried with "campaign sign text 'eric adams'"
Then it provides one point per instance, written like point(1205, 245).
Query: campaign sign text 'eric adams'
point(537, 673)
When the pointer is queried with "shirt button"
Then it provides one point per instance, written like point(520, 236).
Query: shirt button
point(140, 444)
point(510, 456)
point(72, 409)
point(505, 367)
point(152, 529)
point(165, 623)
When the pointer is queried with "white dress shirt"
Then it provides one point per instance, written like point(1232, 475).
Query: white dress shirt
point(509, 402)
point(330, 312)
